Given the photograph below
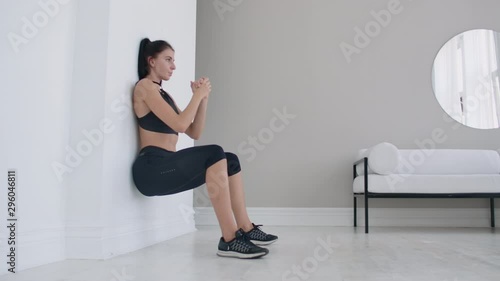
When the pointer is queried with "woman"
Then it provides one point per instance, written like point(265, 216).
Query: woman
point(161, 170)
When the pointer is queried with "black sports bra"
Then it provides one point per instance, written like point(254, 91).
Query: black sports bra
point(151, 122)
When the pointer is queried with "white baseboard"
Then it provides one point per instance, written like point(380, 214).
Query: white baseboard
point(91, 242)
point(48, 244)
point(35, 247)
point(434, 217)
point(127, 240)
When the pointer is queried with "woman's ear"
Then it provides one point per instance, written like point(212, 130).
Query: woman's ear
point(151, 62)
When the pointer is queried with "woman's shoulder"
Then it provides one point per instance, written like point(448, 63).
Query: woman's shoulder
point(145, 85)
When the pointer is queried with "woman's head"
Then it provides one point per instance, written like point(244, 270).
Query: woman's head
point(156, 58)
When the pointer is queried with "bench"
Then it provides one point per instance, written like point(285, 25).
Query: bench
point(384, 171)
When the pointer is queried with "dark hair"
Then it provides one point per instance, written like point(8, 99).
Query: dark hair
point(149, 49)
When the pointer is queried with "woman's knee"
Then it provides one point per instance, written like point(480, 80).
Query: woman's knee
point(233, 164)
point(216, 154)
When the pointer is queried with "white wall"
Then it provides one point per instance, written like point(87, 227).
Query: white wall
point(103, 202)
point(130, 21)
point(74, 76)
point(264, 55)
point(36, 77)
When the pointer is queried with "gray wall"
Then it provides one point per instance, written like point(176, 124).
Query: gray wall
point(264, 55)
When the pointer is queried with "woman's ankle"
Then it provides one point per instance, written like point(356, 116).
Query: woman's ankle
point(229, 236)
point(247, 227)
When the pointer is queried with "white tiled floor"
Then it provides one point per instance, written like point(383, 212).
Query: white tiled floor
point(423, 254)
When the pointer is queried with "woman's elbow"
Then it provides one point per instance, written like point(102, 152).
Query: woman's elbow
point(193, 135)
point(182, 128)
point(191, 132)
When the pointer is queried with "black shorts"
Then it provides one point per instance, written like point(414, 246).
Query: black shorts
point(157, 171)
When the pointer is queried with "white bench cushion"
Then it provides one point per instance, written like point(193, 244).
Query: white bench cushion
point(448, 162)
point(405, 183)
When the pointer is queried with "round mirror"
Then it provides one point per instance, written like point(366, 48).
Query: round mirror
point(465, 78)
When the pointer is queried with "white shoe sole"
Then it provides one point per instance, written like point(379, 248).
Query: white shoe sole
point(239, 255)
point(260, 243)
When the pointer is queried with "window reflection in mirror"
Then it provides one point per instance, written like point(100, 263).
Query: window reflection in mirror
point(465, 78)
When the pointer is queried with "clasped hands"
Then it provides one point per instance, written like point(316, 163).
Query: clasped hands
point(201, 87)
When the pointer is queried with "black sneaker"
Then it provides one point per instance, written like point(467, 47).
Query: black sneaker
point(259, 237)
point(240, 247)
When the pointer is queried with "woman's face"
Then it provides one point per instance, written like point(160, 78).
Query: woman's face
point(164, 64)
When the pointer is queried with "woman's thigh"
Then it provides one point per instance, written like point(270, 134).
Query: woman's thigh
point(176, 171)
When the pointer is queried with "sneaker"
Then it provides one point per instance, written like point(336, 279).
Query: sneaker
point(240, 247)
point(259, 237)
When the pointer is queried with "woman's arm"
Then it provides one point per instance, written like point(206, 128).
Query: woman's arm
point(196, 128)
point(178, 122)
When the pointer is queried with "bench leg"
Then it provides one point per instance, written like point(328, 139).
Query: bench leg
point(492, 211)
point(355, 211)
point(366, 213)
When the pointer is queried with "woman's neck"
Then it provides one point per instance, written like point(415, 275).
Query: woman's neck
point(156, 80)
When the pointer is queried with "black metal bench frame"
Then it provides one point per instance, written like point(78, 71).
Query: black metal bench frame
point(368, 195)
